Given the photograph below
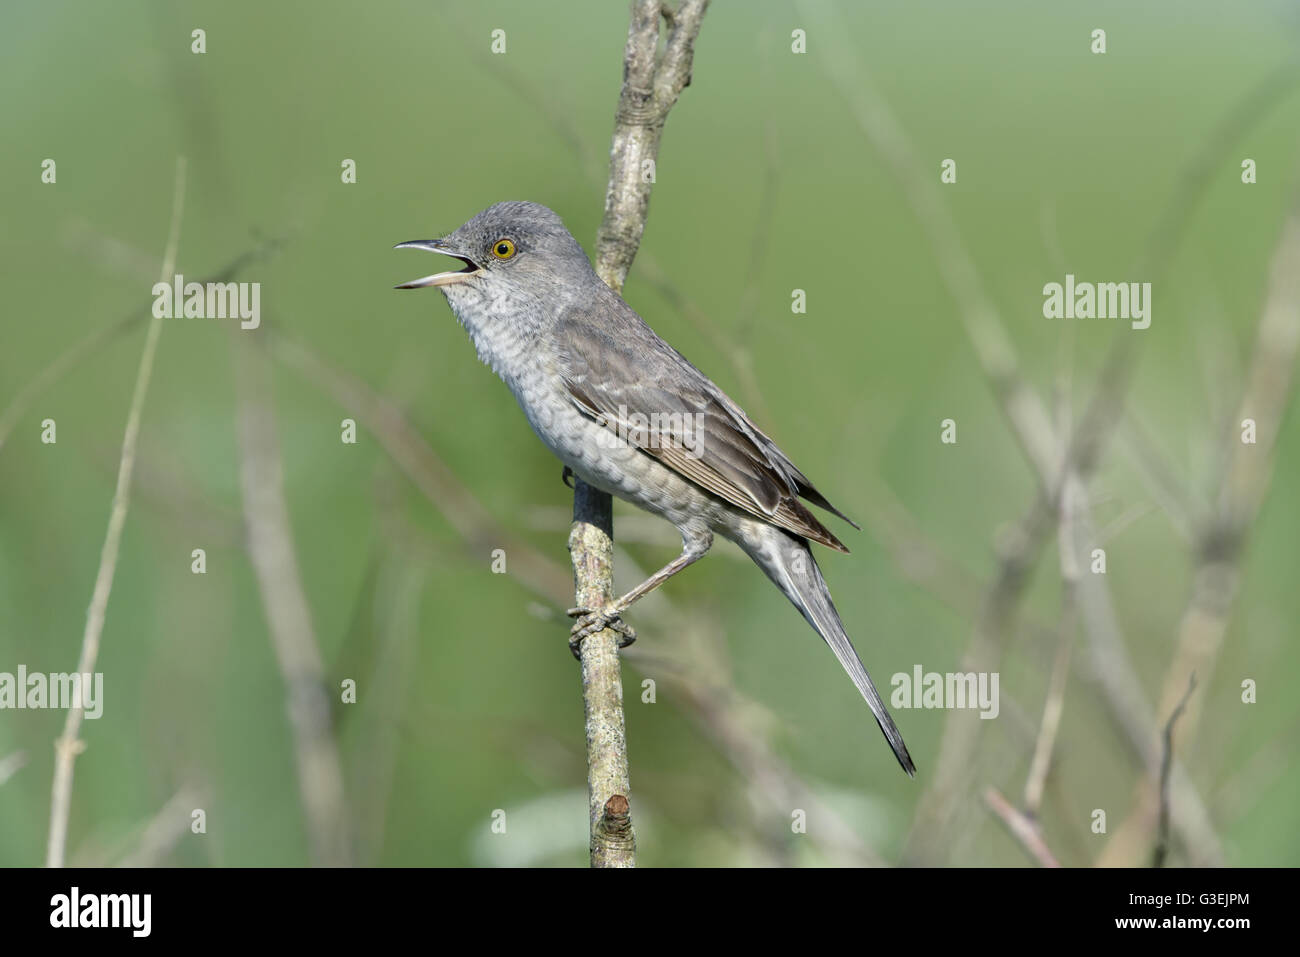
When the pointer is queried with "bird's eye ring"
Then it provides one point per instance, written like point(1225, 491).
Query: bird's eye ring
point(503, 249)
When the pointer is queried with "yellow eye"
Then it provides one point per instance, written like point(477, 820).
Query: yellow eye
point(503, 249)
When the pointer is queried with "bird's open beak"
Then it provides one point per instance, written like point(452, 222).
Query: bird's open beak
point(440, 278)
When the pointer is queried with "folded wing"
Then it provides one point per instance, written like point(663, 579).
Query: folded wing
point(694, 428)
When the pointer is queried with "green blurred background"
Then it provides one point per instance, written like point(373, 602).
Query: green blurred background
point(468, 700)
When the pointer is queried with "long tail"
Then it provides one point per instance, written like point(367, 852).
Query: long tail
point(790, 564)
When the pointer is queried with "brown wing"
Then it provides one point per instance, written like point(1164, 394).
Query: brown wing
point(629, 379)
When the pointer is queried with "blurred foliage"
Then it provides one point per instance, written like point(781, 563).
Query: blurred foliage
point(469, 700)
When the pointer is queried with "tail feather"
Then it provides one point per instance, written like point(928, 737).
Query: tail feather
point(806, 589)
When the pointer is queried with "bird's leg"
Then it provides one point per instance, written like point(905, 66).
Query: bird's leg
point(694, 547)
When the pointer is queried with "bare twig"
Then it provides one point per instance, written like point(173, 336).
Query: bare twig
point(591, 545)
point(1054, 705)
point(955, 768)
point(1245, 478)
point(649, 91)
point(1166, 762)
point(1072, 502)
point(1022, 827)
point(68, 746)
point(165, 830)
point(270, 548)
point(1113, 670)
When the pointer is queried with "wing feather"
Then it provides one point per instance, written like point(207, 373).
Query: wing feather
point(702, 434)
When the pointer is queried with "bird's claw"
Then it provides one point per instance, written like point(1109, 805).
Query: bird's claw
point(566, 476)
point(590, 622)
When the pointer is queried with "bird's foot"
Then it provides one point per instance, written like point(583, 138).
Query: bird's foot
point(590, 622)
point(567, 476)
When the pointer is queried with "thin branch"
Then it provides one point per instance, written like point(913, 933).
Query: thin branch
point(1054, 705)
point(1072, 501)
point(1023, 828)
point(649, 91)
point(591, 545)
point(271, 550)
point(68, 746)
point(1246, 474)
point(1113, 670)
point(1166, 762)
point(166, 829)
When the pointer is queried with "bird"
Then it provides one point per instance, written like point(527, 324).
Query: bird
point(630, 415)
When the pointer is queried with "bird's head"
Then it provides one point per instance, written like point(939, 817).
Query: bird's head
point(511, 250)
